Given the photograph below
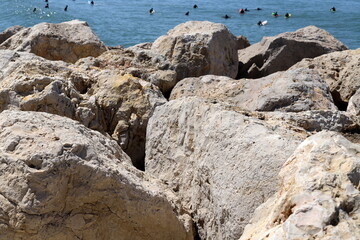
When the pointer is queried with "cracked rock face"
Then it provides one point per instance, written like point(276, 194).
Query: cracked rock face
point(222, 164)
point(340, 70)
point(198, 48)
point(318, 196)
point(280, 52)
point(101, 99)
point(67, 41)
point(290, 91)
point(61, 180)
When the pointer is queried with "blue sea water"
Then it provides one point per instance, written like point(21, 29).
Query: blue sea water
point(126, 23)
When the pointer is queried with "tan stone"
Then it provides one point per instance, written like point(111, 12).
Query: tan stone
point(61, 180)
point(67, 41)
point(280, 52)
point(318, 197)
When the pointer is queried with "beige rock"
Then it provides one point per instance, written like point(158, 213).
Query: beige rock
point(318, 197)
point(221, 163)
point(67, 41)
point(280, 52)
point(101, 99)
point(198, 48)
point(341, 72)
point(291, 91)
point(243, 42)
point(61, 180)
point(9, 32)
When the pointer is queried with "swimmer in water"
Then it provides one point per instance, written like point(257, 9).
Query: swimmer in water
point(34, 10)
point(226, 16)
point(92, 2)
point(151, 11)
point(195, 6)
point(247, 10)
point(241, 11)
point(287, 15)
point(187, 13)
point(46, 1)
point(259, 23)
point(275, 14)
point(66, 7)
point(47, 5)
point(333, 9)
point(258, 9)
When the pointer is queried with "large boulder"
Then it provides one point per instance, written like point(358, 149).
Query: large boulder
point(280, 52)
point(318, 197)
point(61, 180)
point(221, 163)
point(7, 33)
point(292, 91)
point(67, 41)
point(198, 48)
point(101, 99)
point(341, 72)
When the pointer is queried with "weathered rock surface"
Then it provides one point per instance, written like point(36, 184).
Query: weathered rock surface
point(67, 41)
point(341, 71)
point(221, 163)
point(318, 197)
point(102, 100)
point(198, 48)
point(7, 33)
point(292, 91)
point(61, 180)
point(280, 52)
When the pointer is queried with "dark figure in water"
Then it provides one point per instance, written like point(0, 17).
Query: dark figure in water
point(34, 10)
point(187, 13)
point(195, 6)
point(151, 11)
point(287, 15)
point(259, 23)
point(47, 5)
point(66, 7)
point(333, 9)
point(92, 2)
point(258, 9)
point(241, 11)
point(226, 16)
point(247, 10)
point(46, 1)
point(275, 14)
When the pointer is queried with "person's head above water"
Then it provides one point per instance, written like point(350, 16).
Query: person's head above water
point(333, 9)
point(195, 6)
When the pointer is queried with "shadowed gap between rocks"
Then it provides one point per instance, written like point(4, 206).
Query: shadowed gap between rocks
point(341, 105)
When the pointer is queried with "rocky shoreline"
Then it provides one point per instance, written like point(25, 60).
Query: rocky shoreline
point(197, 135)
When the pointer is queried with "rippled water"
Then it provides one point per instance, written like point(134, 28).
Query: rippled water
point(119, 22)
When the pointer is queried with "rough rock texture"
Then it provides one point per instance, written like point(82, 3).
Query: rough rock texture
point(354, 104)
point(102, 100)
point(280, 52)
point(292, 91)
point(198, 48)
point(67, 41)
point(341, 71)
point(318, 197)
point(61, 180)
point(221, 163)
point(242, 42)
point(9, 32)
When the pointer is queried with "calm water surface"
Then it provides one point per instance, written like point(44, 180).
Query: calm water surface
point(120, 22)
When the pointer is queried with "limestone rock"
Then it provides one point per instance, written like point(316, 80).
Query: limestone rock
point(318, 197)
point(9, 32)
point(291, 91)
point(341, 71)
point(61, 180)
point(280, 52)
point(354, 104)
point(242, 42)
point(67, 41)
point(221, 163)
point(101, 99)
point(198, 48)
